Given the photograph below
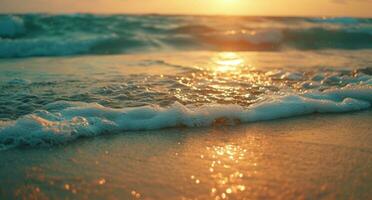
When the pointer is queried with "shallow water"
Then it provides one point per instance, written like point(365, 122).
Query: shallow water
point(313, 157)
point(47, 101)
point(130, 73)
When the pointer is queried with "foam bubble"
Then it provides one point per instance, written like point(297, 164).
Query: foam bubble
point(292, 76)
point(62, 122)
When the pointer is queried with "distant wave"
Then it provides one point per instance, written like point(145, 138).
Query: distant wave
point(51, 46)
point(340, 20)
point(60, 35)
point(11, 26)
point(63, 121)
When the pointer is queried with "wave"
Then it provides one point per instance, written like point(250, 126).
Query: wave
point(341, 20)
point(13, 48)
point(11, 26)
point(62, 122)
point(59, 35)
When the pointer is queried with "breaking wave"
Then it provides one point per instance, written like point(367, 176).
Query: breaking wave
point(60, 35)
point(63, 121)
point(11, 26)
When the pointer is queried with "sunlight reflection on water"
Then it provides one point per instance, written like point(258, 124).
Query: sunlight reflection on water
point(227, 179)
point(229, 168)
point(228, 62)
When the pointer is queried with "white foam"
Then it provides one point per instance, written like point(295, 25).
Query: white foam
point(11, 26)
point(293, 76)
point(67, 121)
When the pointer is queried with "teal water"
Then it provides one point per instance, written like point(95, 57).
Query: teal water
point(59, 35)
point(63, 77)
point(52, 101)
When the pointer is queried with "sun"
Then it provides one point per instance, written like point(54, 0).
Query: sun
point(229, 1)
point(226, 6)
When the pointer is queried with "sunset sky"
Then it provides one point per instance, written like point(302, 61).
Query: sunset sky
point(360, 8)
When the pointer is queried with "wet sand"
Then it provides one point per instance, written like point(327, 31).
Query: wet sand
point(311, 157)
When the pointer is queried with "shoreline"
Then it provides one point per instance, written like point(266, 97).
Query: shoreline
point(317, 156)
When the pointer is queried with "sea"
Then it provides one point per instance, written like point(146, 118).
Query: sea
point(71, 76)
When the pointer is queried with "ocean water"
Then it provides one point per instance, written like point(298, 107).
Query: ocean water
point(59, 35)
point(63, 77)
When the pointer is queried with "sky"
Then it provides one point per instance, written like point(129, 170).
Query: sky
point(358, 8)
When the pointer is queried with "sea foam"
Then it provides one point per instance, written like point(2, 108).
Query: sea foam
point(63, 121)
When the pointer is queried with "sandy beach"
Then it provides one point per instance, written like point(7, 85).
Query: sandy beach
point(311, 157)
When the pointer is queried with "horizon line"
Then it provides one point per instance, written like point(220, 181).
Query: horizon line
point(184, 14)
